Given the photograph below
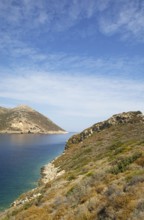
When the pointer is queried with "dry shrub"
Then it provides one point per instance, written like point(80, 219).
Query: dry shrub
point(92, 204)
point(135, 180)
point(78, 194)
point(124, 205)
point(106, 212)
point(140, 206)
point(113, 191)
point(34, 213)
point(82, 213)
point(60, 212)
point(100, 187)
point(70, 215)
point(121, 201)
point(140, 161)
point(138, 213)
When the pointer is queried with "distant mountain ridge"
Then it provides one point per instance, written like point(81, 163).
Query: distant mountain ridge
point(24, 119)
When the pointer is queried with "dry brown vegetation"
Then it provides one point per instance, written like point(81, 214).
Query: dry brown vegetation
point(31, 120)
point(104, 180)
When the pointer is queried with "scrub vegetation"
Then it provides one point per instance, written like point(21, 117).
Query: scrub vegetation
point(103, 179)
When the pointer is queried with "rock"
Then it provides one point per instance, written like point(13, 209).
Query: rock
point(49, 172)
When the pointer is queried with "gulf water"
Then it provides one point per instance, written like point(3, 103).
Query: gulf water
point(21, 158)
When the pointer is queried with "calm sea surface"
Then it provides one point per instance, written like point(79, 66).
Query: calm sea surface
point(21, 157)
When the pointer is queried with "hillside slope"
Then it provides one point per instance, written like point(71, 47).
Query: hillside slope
point(100, 176)
point(24, 119)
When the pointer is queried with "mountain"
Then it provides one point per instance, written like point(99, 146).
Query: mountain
point(100, 176)
point(24, 119)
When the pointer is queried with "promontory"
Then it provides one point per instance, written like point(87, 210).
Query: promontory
point(23, 119)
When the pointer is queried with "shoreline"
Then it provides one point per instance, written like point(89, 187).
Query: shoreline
point(49, 172)
point(21, 132)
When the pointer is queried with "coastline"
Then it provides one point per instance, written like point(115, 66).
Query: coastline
point(27, 132)
point(49, 172)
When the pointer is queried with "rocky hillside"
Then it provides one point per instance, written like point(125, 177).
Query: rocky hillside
point(24, 119)
point(100, 176)
point(118, 119)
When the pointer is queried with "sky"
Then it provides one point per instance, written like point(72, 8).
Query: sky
point(78, 62)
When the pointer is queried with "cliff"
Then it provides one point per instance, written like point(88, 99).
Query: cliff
point(24, 119)
point(99, 176)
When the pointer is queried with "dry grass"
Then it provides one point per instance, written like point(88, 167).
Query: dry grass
point(104, 179)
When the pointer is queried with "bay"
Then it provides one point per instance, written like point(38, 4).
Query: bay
point(21, 158)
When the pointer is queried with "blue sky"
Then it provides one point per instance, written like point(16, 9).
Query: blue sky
point(78, 62)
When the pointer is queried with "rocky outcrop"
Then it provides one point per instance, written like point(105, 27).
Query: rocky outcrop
point(50, 172)
point(27, 198)
point(24, 119)
point(123, 118)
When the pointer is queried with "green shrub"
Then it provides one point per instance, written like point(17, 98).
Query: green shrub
point(116, 145)
point(71, 177)
point(122, 165)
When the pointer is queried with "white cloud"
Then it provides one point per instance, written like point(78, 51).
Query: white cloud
point(73, 96)
point(34, 13)
point(125, 18)
point(120, 66)
point(41, 78)
point(28, 58)
point(21, 18)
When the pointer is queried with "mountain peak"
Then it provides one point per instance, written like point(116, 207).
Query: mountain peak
point(24, 119)
point(125, 117)
point(23, 107)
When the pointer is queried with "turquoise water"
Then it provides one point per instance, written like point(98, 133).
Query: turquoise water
point(21, 157)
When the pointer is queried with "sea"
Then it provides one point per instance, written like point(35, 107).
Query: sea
point(21, 159)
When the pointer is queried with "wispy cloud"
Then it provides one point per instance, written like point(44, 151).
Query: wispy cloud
point(74, 96)
point(71, 84)
point(23, 57)
point(125, 16)
point(62, 63)
point(54, 13)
